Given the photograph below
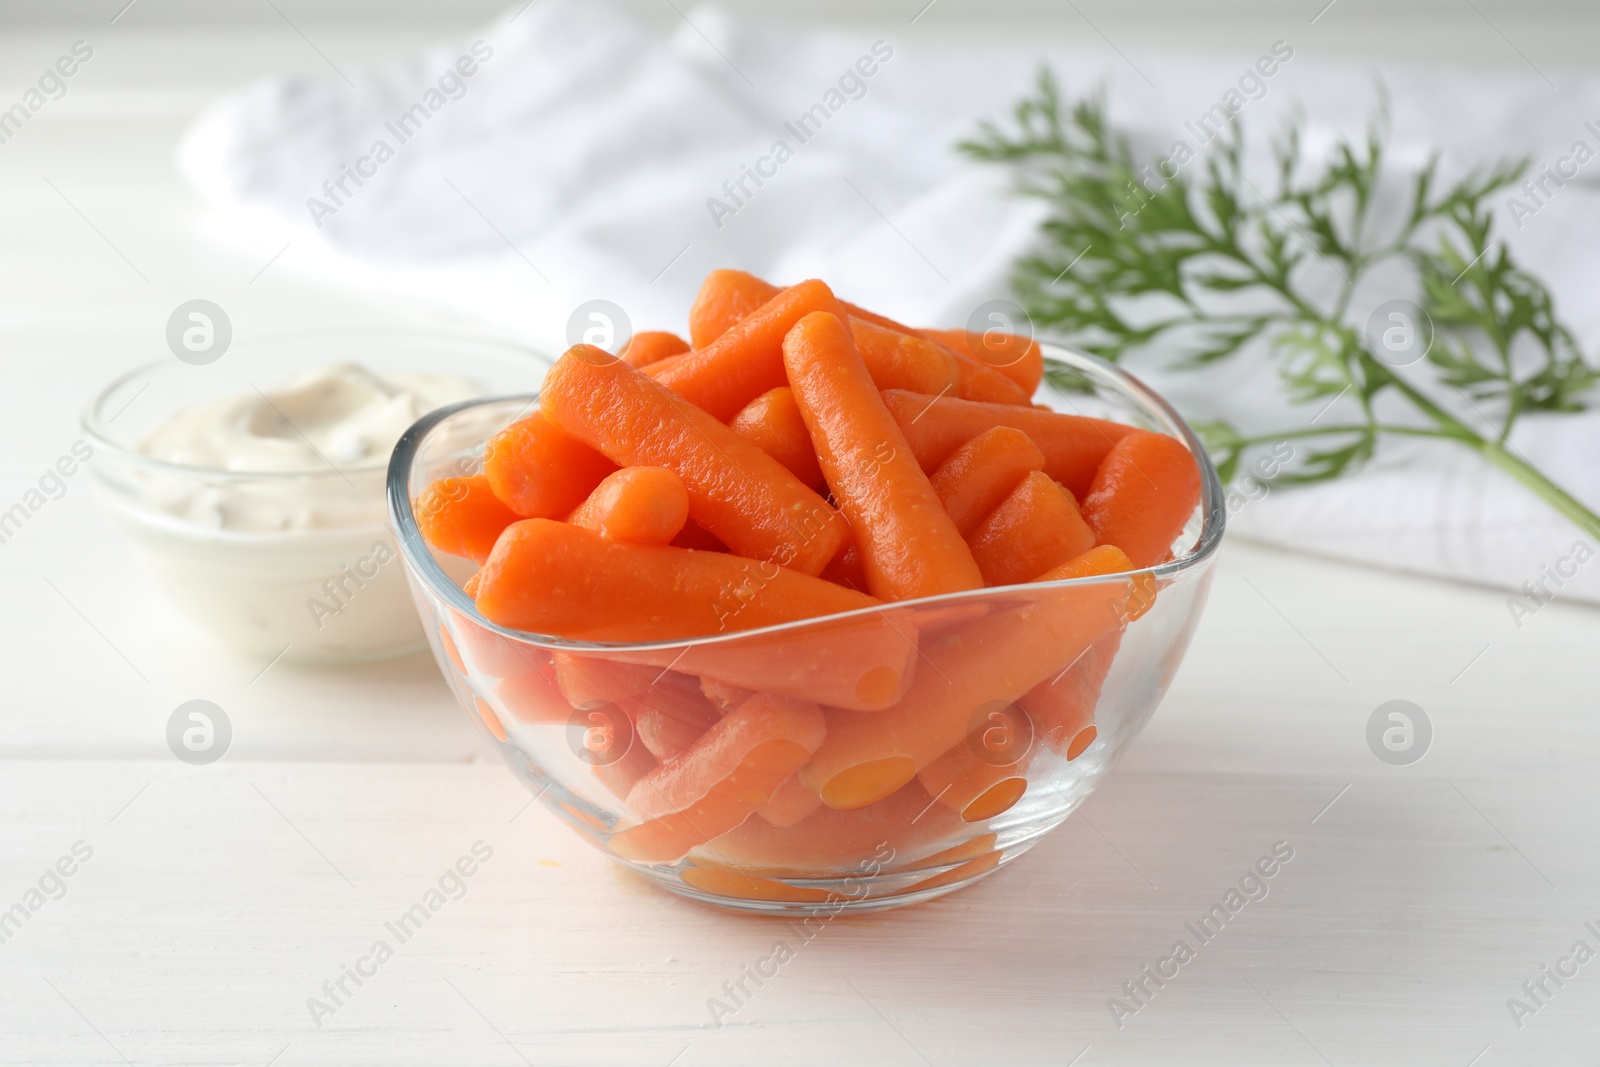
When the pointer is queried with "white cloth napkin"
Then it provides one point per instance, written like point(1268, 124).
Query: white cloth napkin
point(569, 153)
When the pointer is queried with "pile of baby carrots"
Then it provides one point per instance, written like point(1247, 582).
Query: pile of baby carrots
point(800, 458)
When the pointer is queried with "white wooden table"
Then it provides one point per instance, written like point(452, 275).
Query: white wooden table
point(218, 899)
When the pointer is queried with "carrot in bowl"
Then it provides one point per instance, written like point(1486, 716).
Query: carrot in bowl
point(996, 658)
point(719, 781)
point(742, 496)
point(904, 360)
point(462, 516)
point(1018, 358)
point(981, 473)
point(773, 424)
point(984, 774)
point(672, 714)
point(651, 346)
point(553, 578)
point(908, 545)
point(644, 505)
point(747, 359)
point(1145, 490)
point(538, 471)
point(1034, 529)
point(1073, 445)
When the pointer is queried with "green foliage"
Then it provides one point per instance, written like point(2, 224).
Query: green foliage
point(1204, 265)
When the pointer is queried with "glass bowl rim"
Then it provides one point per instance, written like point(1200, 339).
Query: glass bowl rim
point(96, 427)
point(417, 555)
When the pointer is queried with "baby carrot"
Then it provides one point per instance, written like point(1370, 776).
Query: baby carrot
point(893, 831)
point(983, 775)
point(743, 496)
point(1034, 529)
point(908, 544)
point(590, 681)
point(659, 367)
point(531, 698)
point(538, 471)
point(552, 578)
point(981, 383)
point(994, 659)
point(847, 569)
point(1143, 493)
point(462, 516)
point(729, 296)
point(651, 346)
point(620, 775)
point(672, 714)
point(724, 695)
point(719, 781)
point(773, 424)
point(904, 360)
point(1062, 707)
point(644, 505)
point(693, 535)
point(1073, 445)
point(862, 662)
point(726, 297)
point(791, 802)
point(982, 473)
point(1018, 358)
point(747, 360)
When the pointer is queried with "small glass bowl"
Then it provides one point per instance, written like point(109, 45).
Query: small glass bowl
point(1095, 654)
point(331, 594)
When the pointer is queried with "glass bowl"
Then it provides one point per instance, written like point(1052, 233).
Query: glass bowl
point(1026, 695)
point(331, 593)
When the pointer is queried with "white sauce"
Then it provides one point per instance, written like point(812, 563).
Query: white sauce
point(288, 552)
point(336, 425)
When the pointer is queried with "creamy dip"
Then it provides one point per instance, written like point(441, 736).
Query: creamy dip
point(337, 425)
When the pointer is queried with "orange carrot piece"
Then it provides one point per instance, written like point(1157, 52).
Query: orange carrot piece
point(591, 681)
point(847, 568)
point(1143, 493)
point(1073, 445)
point(531, 698)
point(731, 882)
point(552, 578)
point(694, 536)
point(462, 516)
point(470, 586)
point(1140, 590)
point(904, 360)
point(747, 360)
point(1062, 708)
point(490, 720)
point(726, 298)
point(773, 424)
point(724, 695)
point(651, 346)
point(538, 471)
point(644, 505)
point(1034, 529)
point(720, 780)
point(908, 544)
point(791, 802)
point(743, 496)
point(672, 714)
point(1018, 358)
point(981, 383)
point(863, 662)
point(659, 367)
point(893, 831)
point(993, 660)
point(983, 775)
point(619, 776)
point(982, 473)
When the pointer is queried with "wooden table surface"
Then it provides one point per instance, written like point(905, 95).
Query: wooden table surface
point(207, 904)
